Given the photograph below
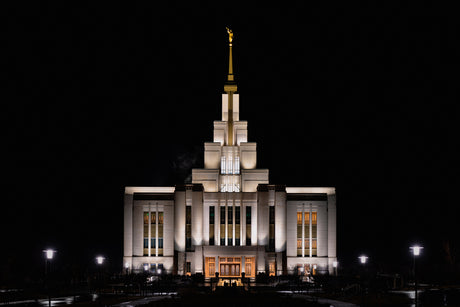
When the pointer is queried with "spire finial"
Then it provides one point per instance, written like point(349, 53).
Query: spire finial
point(230, 35)
point(230, 84)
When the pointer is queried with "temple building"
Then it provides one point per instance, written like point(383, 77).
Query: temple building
point(230, 220)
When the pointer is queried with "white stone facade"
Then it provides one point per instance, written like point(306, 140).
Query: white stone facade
point(230, 220)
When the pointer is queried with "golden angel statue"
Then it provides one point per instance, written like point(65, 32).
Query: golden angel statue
point(230, 35)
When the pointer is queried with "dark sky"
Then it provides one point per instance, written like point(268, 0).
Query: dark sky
point(98, 97)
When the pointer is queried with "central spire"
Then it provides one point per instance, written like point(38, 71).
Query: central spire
point(230, 88)
point(230, 85)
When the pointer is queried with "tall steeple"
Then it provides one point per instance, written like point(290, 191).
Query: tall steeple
point(230, 88)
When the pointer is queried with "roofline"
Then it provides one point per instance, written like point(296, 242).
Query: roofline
point(326, 190)
point(132, 190)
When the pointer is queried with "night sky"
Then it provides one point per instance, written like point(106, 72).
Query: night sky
point(98, 97)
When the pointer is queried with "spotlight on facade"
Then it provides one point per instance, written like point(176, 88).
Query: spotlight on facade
point(49, 253)
point(416, 250)
point(100, 260)
point(335, 265)
point(363, 259)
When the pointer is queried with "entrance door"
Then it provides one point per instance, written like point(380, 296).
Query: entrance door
point(230, 267)
point(232, 270)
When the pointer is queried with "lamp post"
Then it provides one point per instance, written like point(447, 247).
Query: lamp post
point(363, 261)
point(100, 261)
point(416, 249)
point(335, 265)
point(49, 255)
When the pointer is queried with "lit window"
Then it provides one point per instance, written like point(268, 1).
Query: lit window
point(230, 166)
point(223, 167)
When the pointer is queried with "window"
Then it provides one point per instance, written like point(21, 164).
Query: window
point(249, 266)
point(230, 215)
point(160, 243)
point(308, 232)
point(160, 218)
point(237, 225)
point(299, 234)
point(160, 233)
point(153, 232)
point(146, 233)
point(237, 165)
point(210, 267)
point(248, 225)
point(188, 228)
point(222, 215)
point(229, 226)
point(271, 230)
point(272, 268)
point(230, 166)
point(222, 225)
point(223, 167)
point(211, 225)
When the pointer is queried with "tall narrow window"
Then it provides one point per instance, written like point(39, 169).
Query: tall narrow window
point(237, 165)
point(307, 234)
point(160, 233)
point(146, 233)
point(222, 225)
point(248, 225)
point(230, 226)
point(223, 166)
point(314, 225)
point(271, 230)
point(188, 228)
point(237, 226)
point(299, 234)
point(211, 225)
point(230, 165)
point(153, 233)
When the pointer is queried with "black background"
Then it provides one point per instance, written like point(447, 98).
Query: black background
point(96, 97)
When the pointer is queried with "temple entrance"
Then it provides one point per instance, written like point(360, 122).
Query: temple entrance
point(230, 266)
point(230, 269)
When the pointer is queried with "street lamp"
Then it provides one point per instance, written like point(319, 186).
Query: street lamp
point(416, 249)
point(49, 255)
point(335, 265)
point(363, 259)
point(100, 260)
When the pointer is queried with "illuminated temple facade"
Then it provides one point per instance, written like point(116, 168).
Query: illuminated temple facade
point(230, 220)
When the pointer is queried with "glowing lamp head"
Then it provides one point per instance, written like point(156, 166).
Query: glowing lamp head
point(146, 267)
point(416, 250)
point(335, 264)
point(363, 259)
point(49, 253)
point(126, 265)
point(100, 259)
